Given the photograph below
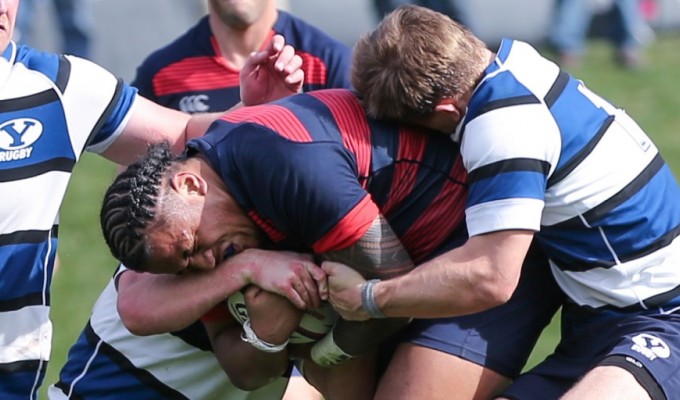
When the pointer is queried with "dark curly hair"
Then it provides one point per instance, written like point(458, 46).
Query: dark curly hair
point(129, 205)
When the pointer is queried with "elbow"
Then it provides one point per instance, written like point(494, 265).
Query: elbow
point(494, 290)
point(134, 320)
point(138, 329)
point(499, 294)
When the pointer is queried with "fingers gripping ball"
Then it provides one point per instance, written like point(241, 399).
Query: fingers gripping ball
point(313, 326)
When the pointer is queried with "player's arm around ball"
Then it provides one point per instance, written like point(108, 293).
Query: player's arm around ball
point(273, 319)
point(291, 332)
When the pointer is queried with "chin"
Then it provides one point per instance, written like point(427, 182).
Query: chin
point(4, 40)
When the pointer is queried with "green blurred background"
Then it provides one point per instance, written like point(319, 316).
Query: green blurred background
point(650, 95)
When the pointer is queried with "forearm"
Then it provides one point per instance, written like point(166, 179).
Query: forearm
point(475, 277)
point(152, 304)
point(481, 274)
point(198, 124)
point(148, 123)
point(436, 290)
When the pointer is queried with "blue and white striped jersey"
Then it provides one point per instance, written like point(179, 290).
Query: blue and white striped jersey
point(544, 153)
point(108, 361)
point(51, 109)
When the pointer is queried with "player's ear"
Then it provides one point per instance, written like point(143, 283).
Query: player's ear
point(189, 183)
point(449, 106)
point(451, 109)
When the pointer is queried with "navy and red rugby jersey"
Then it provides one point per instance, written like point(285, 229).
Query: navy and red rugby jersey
point(313, 171)
point(191, 75)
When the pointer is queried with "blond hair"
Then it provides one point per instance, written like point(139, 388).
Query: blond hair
point(414, 58)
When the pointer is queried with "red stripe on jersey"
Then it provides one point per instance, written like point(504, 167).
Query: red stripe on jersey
point(199, 73)
point(351, 120)
point(443, 215)
point(194, 74)
point(277, 118)
point(274, 234)
point(350, 229)
point(411, 147)
point(314, 67)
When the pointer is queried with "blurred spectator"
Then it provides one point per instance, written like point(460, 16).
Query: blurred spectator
point(625, 27)
point(451, 8)
point(73, 21)
point(198, 72)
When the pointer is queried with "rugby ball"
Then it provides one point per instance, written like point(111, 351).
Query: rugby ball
point(313, 326)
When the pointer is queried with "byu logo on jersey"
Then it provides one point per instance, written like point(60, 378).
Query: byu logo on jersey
point(17, 136)
point(650, 346)
point(194, 104)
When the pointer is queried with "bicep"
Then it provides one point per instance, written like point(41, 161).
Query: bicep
point(502, 251)
point(377, 254)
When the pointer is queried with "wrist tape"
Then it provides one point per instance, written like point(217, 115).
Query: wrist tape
point(248, 335)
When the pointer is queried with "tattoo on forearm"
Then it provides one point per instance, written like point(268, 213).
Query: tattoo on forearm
point(378, 254)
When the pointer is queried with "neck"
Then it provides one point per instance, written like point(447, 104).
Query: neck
point(491, 56)
point(236, 44)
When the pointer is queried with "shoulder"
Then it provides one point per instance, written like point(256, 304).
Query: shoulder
point(45, 63)
point(72, 76)
point(254, 142)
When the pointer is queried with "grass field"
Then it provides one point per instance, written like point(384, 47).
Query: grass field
point(651, 95)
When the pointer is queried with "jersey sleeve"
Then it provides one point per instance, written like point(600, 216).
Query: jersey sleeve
point(509, 153)
point(95, 102)
point(308, 190)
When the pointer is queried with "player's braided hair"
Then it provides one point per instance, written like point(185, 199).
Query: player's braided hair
point(130, 203)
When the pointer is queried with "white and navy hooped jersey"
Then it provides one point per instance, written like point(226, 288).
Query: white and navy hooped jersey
point(51, 109)
point(108, 362)
point(545, 153)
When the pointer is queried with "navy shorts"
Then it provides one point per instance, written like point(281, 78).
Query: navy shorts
point(645, 343)
point(503, 337)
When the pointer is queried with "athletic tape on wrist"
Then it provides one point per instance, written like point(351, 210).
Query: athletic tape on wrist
point(326, 353)
point(368, 299)
point(248, 335)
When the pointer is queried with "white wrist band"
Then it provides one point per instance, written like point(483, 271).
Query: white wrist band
point(368, 299)
point(251, 338)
